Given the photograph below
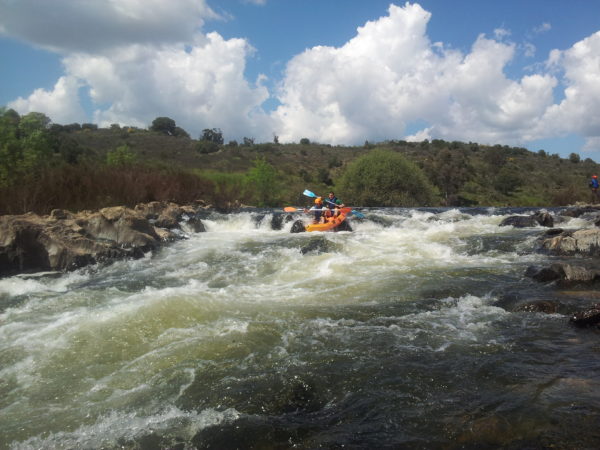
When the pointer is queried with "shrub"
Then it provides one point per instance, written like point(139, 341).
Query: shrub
point(386, 178)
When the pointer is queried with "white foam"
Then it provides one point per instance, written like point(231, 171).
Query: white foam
point(110, 430)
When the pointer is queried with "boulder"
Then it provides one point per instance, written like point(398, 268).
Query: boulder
point(584, 272)
point(539, 218)
point(588, 317)
point(584, 242)
point(65, 241)
point(297, 227)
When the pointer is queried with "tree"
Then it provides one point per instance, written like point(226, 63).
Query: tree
point(574, 158)
point(213, 135)
point(121, 156)
point(164, 125)
point(304, 141)
point(33, 121)
point(386, 178)
point(262, 178)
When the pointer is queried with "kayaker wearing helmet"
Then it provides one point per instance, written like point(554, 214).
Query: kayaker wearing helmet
point(317, 210)
point(594, 187)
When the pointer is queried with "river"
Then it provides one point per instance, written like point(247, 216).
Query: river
point(390, 337)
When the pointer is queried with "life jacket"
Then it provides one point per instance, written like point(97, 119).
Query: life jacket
point(594, 183)
point(332, 202)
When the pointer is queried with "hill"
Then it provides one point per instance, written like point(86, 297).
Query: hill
point(45, 166)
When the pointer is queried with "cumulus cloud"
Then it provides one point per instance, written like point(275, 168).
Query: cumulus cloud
point(378, 85)
point(200, 86)
point(60, 104)
point(579, 111)
point(92, 26)
point(390, 75)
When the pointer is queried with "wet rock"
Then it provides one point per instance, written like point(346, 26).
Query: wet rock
point(565, 273)
point(540, 218)
point(578, 211)
point(588, 317)
point(66, 241)
point(278, 220)
point(542, 306)
point(317, 245)
point(344, 226)
point(298, 227)
point(584, 242)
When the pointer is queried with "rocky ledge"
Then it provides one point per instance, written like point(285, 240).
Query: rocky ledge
point(575, 263)
point(65, 241)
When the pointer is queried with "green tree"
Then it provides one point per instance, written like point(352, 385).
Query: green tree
point(262, 179)
point(164, 125)
point(121, 156)
point(386, 178)
point(213, 135)
point(32, 122)
point(574, 158)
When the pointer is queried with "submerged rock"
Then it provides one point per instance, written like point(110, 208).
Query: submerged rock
point(588, 317)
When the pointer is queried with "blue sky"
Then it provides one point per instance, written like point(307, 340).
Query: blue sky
point(515, 72)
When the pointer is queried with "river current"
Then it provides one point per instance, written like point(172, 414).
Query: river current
point(390, 336)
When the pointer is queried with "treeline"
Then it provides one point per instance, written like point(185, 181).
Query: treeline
point(44, 166)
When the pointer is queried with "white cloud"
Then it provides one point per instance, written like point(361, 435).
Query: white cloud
point(92, 26)
point(61, 104)
point(200, 87)
point(390, 75)
point(542, 28)
point(579, 111)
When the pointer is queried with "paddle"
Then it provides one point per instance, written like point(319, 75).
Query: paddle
point(292, 209)
point(313, 195)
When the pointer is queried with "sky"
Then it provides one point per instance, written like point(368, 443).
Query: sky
point(340, 72)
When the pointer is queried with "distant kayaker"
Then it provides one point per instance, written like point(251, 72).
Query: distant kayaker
point(334, 204)
point(594, 187)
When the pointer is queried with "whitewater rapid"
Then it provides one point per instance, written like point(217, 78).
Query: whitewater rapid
point(236, 329)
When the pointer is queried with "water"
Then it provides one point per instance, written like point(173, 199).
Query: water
point(233, 338)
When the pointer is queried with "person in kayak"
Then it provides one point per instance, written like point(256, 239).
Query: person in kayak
point(594, 187)
point(334, 204)
point(317, 210)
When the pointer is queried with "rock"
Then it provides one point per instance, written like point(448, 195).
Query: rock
point(585, 242)
point(542, 274)
point(544, 219)
point(565, 273)
point(297, 227)
point(540, 218)
point(317, 245)
point(542, 306)
point(65, 241)
point(580, 211)
point(588, 317)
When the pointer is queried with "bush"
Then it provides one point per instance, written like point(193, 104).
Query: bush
point(386, 178)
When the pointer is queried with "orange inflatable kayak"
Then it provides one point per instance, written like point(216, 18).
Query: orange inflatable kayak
point(331, 223)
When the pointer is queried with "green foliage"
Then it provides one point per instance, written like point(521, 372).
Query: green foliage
point(574, 158)
point(214, 135)
point(121, 156)
point(262, 178)
point(305, 141)
point(386, 178)
point(207, 147)
point(164, 125)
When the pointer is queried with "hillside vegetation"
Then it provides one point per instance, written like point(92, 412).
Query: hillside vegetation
point(44, 166)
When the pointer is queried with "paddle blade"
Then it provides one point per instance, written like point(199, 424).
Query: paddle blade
point(358, 214)
point(290, 209)
point(310, 194)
